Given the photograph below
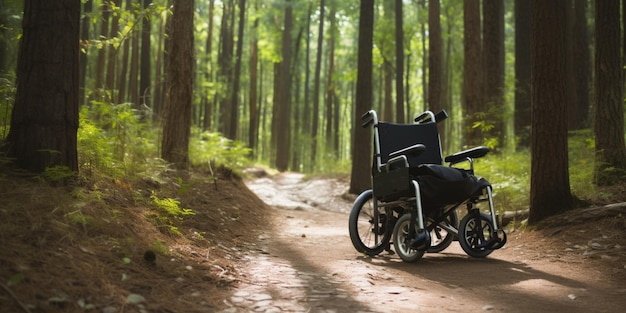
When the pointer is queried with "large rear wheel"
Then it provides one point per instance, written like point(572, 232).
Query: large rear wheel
point(369, 225)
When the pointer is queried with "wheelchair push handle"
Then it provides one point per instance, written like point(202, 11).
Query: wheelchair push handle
point(369, 118)
point(429, 116)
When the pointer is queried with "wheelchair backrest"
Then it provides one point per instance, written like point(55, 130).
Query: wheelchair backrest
point(393, 137)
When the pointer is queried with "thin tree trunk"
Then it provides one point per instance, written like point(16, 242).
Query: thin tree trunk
point(400, 107)
point(472, 71)
point(84, 38)
point(145, 70)
point(522, 72)
point(254, 111)
point(316, 85)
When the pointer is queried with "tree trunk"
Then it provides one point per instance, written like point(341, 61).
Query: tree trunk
point(109, 84)
point(234, 98)
point(549, 185)
point(102, 52)
point(360, 177)
point(331, 85)
point(44, 121)
point(400, 107)
point(316, 86)
point(206, 101)
point(145, 75)
point(435, 57)
point(84, 39)
point(283, 150)
point(493, 62)
point(225, 60)
point(582, 70)
point(522, 73)
point(253, 129)
point(472, 71)
point(179, 86)
point(610, 162)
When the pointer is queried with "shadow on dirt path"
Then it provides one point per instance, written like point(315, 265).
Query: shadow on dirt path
point(304, 262)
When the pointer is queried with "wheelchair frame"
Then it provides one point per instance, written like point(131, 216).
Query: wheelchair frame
point(401, 221)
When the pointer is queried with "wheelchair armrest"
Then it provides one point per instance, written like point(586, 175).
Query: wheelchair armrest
point(401, 155)
point(477, 152)
point(411, 150)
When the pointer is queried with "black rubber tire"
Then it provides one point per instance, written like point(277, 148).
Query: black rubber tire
point(402, 244)
point(441, 239)
point(362, 226)
point(474, 231)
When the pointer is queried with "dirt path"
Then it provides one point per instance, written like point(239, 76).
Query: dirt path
point(306, 263)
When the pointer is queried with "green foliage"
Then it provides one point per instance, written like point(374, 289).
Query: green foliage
point(58, 173)
point(171, 206)
point(7, 97)
point(509, 175)
point(207, 147)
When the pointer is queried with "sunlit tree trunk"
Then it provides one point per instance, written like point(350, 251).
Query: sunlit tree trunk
point(179, 86)
point(610, 161)
point(549, 183)
point(234, 98)
point(360, 177)
point(44, 121)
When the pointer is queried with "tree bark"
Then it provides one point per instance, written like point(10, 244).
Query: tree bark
point(44, 121)
point(360, 177)
point(435, 57)
point(145, 75)
point(400, 107)
point(493, 63)
point(522, 73)
point(179, 86)
point(610, 160)
point(472, 71)
point(549, 186)
point(283, 150)
point(316, 86)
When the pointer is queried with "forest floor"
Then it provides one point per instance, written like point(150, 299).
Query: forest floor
point(278, 243)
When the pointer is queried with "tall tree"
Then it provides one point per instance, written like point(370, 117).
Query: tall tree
point(331, 92)
point(44, 121)
point(145, 76)
point(400, 107)
point(234, 98)
point(208, 52)
point(578, 64)
point(316, 84)
point(283, 147)
point(522, 72)
point(360, 177)
point(609, 105)
point(493, 67)
point(179, 86)
point(472, 71)
point(84, 39)
point(253, 128)
point(225, 62)
point(549, 185)
point(435, 57)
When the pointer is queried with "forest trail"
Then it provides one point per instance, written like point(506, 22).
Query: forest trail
point(304, 262)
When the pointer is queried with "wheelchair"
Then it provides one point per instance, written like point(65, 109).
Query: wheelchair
point(414, 197)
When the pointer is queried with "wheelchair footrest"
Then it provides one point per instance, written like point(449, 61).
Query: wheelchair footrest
point(422, 242)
